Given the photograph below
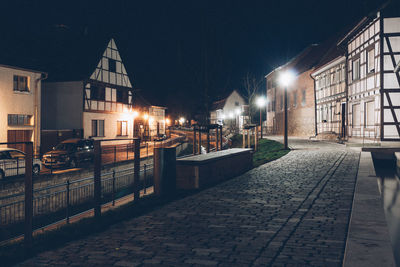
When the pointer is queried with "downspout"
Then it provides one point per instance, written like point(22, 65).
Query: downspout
point(315, 107)
point(43, 76)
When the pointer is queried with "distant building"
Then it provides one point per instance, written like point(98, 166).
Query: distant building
point(231, 111)
point(300, 95)
point(373, 50)
point(331, 92)
point(20, 96)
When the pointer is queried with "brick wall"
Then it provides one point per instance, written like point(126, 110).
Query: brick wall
point(301, 115)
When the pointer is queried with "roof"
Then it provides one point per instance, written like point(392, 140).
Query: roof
point(219, 104)
point(306, 60)
point(389, 8)
point(64, 54)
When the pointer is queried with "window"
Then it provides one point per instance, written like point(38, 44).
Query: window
point(122, 96)
point(97, 92)
point(236, 104)
point(122, 128)
point(19, 119)
point(303, 98)
point(369, 116)
point(98, 128)
point(356, 69)
point(294, 99)
point(112, 65)
point(371, 61)
point(356, 115)
point(21, 83)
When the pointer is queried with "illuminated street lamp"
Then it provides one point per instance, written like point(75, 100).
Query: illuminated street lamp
point(285, 79)
point(261, 102)
point(182, 120)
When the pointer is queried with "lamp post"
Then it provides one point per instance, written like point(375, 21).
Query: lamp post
point(261, 101)
point(285, 79)
point(134, 115)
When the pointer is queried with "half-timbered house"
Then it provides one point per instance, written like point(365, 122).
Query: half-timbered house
point(92, 92)
point(330, 93)
point(373, 52)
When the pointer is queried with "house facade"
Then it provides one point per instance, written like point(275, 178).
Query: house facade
point(20, 94)
point(100, 102)
point(300, 95)
point(231, 112)
point(331, 97)
point(373, 49)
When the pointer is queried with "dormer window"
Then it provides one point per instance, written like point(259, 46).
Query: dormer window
point(112, 65)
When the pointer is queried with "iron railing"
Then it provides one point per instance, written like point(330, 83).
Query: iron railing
point(63, 200)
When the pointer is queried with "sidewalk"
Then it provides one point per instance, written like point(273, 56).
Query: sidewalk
point(294, 211)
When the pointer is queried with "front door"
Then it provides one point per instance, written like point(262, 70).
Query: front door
point(343, 120)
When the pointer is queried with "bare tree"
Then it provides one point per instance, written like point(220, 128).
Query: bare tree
point(252, 86)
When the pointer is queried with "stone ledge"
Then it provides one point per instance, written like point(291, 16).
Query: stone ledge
point(368, 240)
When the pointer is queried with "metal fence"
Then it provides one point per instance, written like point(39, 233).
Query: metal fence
point(63, 200)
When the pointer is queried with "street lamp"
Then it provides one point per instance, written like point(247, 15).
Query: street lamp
point(285, 79)
point(182, 120)
point(261, 101)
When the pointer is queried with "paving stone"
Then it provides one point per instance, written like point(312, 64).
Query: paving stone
point(290, 212)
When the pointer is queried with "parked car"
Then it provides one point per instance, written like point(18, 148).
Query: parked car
point(69, 153)
point(12, 162)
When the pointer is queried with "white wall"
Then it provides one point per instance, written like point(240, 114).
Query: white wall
point(18, 102)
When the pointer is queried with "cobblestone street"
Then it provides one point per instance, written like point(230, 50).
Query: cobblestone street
point(291, 212)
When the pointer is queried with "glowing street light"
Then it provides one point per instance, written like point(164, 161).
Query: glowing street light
point(285, 79)
point(146, 116)
point(182, 120)
point(261, 102)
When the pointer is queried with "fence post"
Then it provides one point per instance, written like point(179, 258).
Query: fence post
point(145, 177)
point(68, 201)
point(136, 169)
point(28, 197)
point(208, 140)
point(216, 139)
point(113, 188)
point(97, 179)
point(220, 137)
point(194, 140)
point(115, 153)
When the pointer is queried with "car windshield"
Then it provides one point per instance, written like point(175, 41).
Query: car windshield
point(65, 146)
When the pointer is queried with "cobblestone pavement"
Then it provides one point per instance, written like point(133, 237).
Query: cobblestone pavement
point(290, 212)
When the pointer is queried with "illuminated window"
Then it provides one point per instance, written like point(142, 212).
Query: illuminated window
point(21, 83)
point(122, 128)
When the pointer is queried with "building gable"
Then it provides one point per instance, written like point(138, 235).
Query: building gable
point(110, 68)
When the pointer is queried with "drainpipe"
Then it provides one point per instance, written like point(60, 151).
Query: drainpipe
point(36, 129)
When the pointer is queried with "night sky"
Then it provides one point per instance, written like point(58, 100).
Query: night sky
point(174, 49)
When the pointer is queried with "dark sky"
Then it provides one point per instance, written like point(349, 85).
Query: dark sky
point(174, 49)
